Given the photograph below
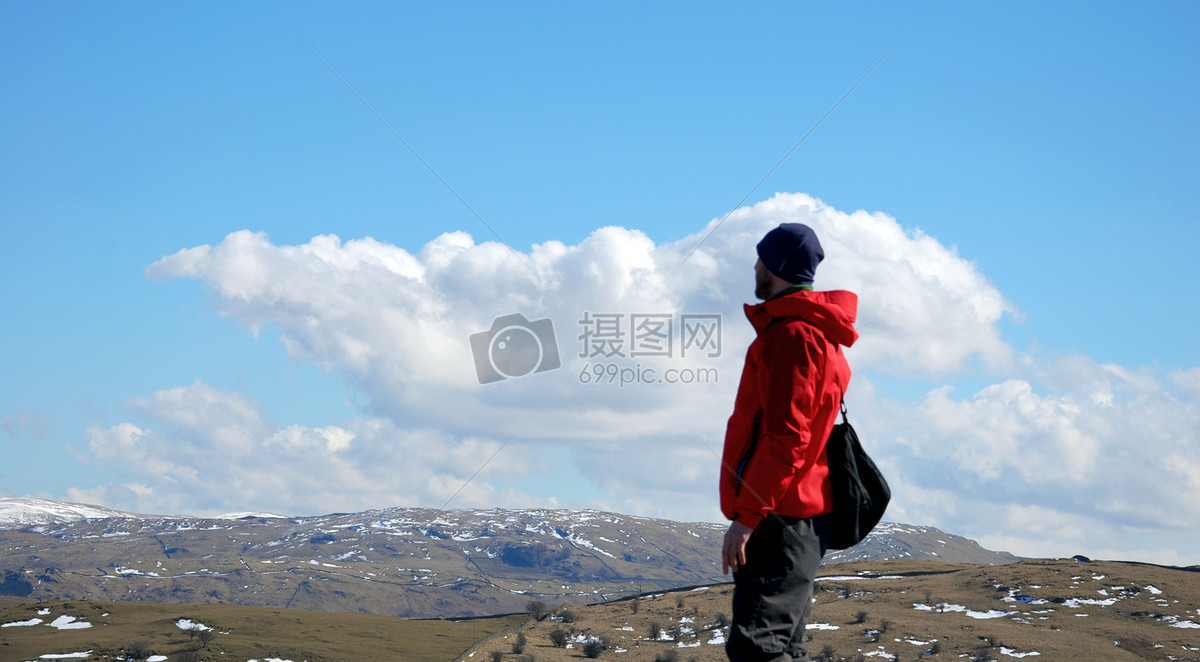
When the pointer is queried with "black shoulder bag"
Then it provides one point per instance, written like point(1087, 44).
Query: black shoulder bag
point(860, 493)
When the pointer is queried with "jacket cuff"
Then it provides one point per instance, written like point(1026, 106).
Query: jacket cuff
point(749, 518)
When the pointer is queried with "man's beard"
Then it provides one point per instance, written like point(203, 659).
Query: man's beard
point(762, 284)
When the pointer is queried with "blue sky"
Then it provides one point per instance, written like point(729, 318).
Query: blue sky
point(1028, 174)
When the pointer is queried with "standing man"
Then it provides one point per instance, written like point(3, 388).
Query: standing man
point(774, 476)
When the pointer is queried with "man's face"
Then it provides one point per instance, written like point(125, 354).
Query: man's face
point(762, 281)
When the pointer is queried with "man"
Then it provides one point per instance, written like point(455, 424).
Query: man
point(775, 477)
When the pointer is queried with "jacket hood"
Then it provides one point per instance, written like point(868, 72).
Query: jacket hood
point(832, 312)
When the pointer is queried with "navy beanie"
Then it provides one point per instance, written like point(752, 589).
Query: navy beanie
point(792, 252)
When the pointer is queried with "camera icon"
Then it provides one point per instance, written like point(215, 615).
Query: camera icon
point(514, 347)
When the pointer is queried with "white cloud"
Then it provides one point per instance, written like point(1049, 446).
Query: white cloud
point(396, 324)
point(1107, 461)
point(210, 451)
point(1068, 455)
point(1188, 381)
point(923, 310)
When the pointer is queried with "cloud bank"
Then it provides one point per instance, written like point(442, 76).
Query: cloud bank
point(1107, 463)
point(1061, 457)
point(217, 452)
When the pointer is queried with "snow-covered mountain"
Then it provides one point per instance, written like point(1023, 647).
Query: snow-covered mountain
point(17, 513)
point(398, 561)
point(20, 512)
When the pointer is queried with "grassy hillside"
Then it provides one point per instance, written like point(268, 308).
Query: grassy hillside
point(908, 611)
point(894, 610)
point(239, 633)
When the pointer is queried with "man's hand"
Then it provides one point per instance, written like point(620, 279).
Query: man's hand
point(733, 555)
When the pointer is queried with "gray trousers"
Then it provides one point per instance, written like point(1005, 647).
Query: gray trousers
point(773, 591)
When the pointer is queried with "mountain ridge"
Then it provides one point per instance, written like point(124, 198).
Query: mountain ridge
point(410, 562)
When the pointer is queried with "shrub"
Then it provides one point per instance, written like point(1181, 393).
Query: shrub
point(594, 647)
point(655, 630)
point(860, 617)
point(567, 615)
point(497, 656)
point(138, 650)
point(206, 636)
point(667, 656)
point(559, 638)
point(981, 654)
point(536, 608)
point(519, 644)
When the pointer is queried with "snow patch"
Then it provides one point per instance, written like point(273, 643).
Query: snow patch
point(70, 623)
point(1074, 603)
point(822, 626)
point(940, 607)
point(987, 615)
point(189, 624)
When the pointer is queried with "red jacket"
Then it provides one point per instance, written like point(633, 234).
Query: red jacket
point(787, 403)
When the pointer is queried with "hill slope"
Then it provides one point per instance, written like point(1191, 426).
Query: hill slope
point(399, 561)
point(1050, 611)
point(106, 631)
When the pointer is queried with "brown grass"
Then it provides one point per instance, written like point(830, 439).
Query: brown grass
point(243, 633)
point(861, 616)
point(878, 616)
